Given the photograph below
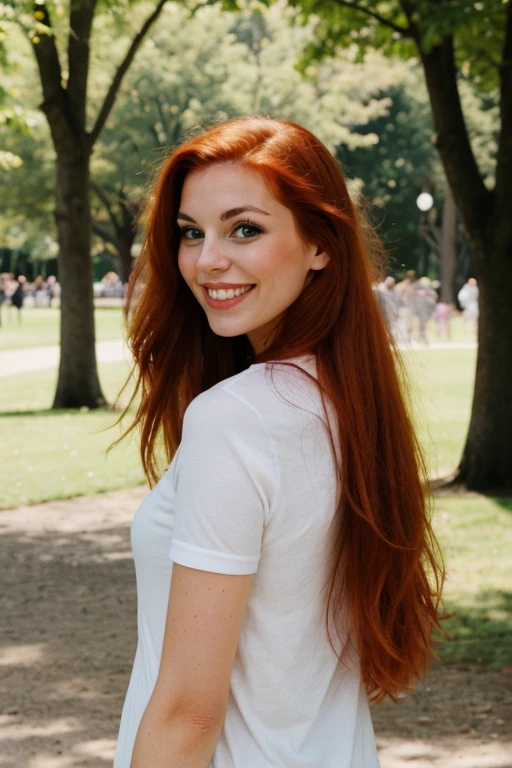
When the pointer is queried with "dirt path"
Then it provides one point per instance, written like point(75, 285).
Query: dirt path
point(67, 640)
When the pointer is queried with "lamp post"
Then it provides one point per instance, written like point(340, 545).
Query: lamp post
point(424, 201)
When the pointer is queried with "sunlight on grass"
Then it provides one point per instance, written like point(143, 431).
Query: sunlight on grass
point(441, 391)
point(40, 327)
point(48, 454)
point(37, 466)
point(476, 536)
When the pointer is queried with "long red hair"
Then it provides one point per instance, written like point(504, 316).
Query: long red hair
point(386, 568)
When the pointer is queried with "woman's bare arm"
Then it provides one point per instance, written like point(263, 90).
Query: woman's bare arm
point(183, 720)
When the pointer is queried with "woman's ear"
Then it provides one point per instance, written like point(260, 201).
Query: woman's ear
point(320, 259)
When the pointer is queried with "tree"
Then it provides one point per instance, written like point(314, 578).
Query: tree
point(401, 165)
point(456, 40)
point(404, 163)
point(65, 103)
point(193, 69)
point(26, 191)
point(209, 66)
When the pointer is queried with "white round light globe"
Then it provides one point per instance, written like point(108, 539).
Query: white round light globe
point(425, 201)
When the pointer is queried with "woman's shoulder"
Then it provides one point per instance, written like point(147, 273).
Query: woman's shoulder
point(268, 392)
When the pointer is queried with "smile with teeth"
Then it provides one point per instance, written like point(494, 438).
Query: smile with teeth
point(222, 294)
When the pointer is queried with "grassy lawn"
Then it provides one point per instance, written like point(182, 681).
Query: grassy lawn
point(476, 537)
point(52, 455)
point(40, 327)
point(440, 389)
point(46, 455)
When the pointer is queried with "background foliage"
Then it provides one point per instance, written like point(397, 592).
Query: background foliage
point(202, 64)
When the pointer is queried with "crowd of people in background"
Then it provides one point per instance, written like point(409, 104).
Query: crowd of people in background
point(411, 303)
point(110, 287)
point(18, 291)
point(407, 305)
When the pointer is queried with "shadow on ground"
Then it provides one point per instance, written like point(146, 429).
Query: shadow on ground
point(68, 643)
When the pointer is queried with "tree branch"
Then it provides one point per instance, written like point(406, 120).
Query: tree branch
point(120, 73)
point(356, 6)
point(47, 57)
point(432, 237)
point(154, 132)
point(504, 156)
point(163, 118)
point(80, 24)
point(106, 202)
point(105, 235)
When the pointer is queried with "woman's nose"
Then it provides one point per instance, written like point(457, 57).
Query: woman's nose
point(212, 256)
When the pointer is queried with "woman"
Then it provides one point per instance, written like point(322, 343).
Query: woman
point(292, 518)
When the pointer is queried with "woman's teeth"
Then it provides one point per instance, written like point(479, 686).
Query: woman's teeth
point(230, 293)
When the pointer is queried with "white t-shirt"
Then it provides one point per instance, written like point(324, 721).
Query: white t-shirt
point(252, 490)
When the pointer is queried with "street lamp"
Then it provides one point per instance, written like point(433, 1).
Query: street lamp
point(424, 201)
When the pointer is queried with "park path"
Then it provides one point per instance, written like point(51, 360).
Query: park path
point(67, 642)
point(41, 358)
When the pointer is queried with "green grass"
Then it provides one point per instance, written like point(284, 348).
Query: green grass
point(476, 537)
point(48, 454)
point(40, 326)
point(441, 389)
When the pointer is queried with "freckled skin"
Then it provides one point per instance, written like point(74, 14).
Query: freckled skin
point(275, 259)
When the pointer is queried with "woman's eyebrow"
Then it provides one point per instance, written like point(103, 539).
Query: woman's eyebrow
point(237, 211)
point(186, 218)
point(228, 214)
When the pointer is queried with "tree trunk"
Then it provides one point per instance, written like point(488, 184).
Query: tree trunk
point(486, 463)
point(126, 234)
point(78, 384)
point(448, 249)
point(124, 259)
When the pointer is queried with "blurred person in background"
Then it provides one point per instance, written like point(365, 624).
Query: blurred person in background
point(468, 299)
point(389, 303)
point(424, 304)
point(442, 316)
point(112, 287)
point(40, 289)
point(3, 294)
point(282, 557)
point(18, 295)
point(406, 290)
point(53, 288)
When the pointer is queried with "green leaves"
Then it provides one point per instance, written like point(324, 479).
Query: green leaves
point(477, 28)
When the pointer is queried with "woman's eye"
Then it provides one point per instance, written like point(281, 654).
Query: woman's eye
point(245, 230)
point(190, 233)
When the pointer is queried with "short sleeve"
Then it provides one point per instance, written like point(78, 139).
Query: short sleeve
point(226, 479)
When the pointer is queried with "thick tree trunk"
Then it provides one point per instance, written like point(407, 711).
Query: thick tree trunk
point(65, 106)
point(486, 463)
point(78, 384)
point(448, 249)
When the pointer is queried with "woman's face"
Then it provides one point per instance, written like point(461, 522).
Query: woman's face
point(240, 251)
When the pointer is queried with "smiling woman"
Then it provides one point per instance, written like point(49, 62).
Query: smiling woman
point(286, 568)
point(258, 265)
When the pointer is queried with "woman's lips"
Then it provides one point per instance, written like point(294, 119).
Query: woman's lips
point(225, 303)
